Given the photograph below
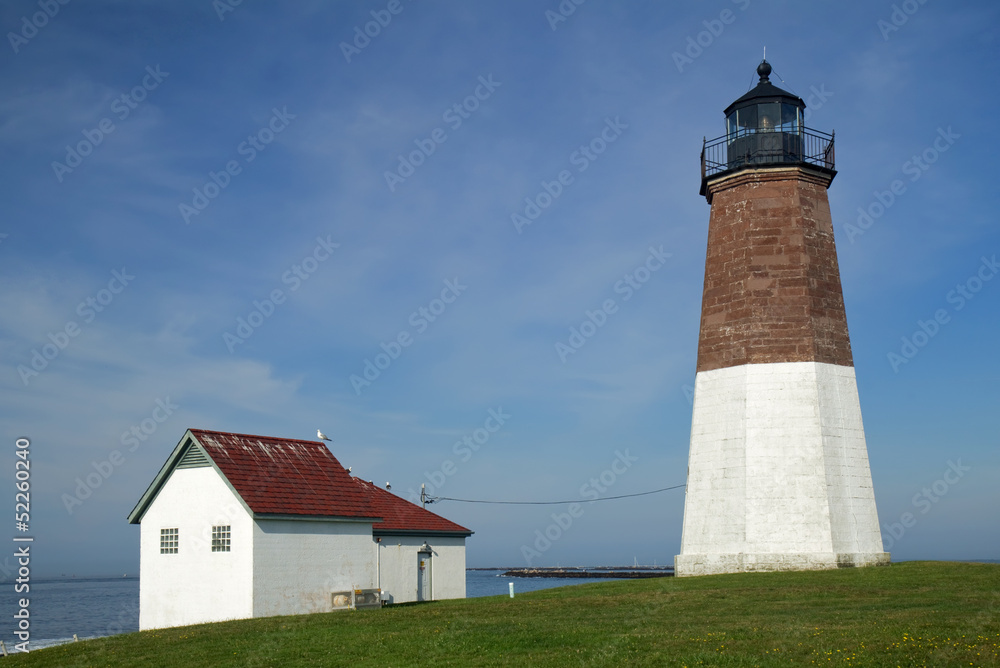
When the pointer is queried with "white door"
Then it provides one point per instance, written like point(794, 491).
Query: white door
point(423, 576)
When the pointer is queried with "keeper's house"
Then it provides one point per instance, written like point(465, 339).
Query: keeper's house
point(236, 526)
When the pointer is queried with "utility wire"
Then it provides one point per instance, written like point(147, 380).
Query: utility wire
point(432, 499)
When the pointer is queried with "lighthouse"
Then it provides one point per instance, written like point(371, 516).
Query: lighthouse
point(778, 474)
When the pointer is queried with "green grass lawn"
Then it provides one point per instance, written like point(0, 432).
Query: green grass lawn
point(910, 614)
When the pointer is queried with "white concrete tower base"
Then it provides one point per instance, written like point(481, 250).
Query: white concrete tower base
point(778, 475)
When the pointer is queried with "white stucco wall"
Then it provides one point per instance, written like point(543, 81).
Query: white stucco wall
point(298, 564)
point(195, 585)
point(778, 474)
point(398, 567)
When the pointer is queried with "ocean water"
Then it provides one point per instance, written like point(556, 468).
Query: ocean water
point(95, 607)
point(492, 583)
point(88, 607)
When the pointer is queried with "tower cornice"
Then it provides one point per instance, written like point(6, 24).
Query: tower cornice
point(805, 173)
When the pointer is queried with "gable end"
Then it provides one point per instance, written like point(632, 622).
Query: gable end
point(188, 453)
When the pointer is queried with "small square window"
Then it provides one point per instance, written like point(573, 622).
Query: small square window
point(168, 541)
point(220, 538)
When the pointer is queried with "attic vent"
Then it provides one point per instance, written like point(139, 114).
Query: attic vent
point(194, 457)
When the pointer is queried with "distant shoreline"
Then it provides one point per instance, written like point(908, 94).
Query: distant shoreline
point(80, 578)
point(670, 568)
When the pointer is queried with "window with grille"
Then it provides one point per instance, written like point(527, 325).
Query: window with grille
point(168, 541)
point(220, 538)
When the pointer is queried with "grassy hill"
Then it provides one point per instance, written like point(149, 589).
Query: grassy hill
point(911, 614)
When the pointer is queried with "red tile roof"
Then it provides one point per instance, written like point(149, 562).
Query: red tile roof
point(400, 515)
point(290, 477)
point(285, 476)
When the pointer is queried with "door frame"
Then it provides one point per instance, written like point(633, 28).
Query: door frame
point(425, 557)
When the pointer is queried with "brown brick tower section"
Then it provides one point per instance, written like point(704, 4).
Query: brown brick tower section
point(772, 284)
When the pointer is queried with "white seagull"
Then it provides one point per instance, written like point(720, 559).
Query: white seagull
point(323, 437)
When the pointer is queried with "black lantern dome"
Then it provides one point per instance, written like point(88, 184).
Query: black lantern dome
point(766, 108)
point(765, 127)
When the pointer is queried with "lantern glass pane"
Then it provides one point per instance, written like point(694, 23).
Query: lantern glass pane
point(747, 119)
point(789, 118)
point(768, 116)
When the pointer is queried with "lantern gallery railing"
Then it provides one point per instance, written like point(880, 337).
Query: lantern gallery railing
point(747, 149)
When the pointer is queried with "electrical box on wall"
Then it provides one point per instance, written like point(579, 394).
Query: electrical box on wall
point(357, 599)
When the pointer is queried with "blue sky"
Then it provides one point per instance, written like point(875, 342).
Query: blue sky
point(217, 166)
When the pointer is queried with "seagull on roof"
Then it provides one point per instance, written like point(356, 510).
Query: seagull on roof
point(321, 436)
